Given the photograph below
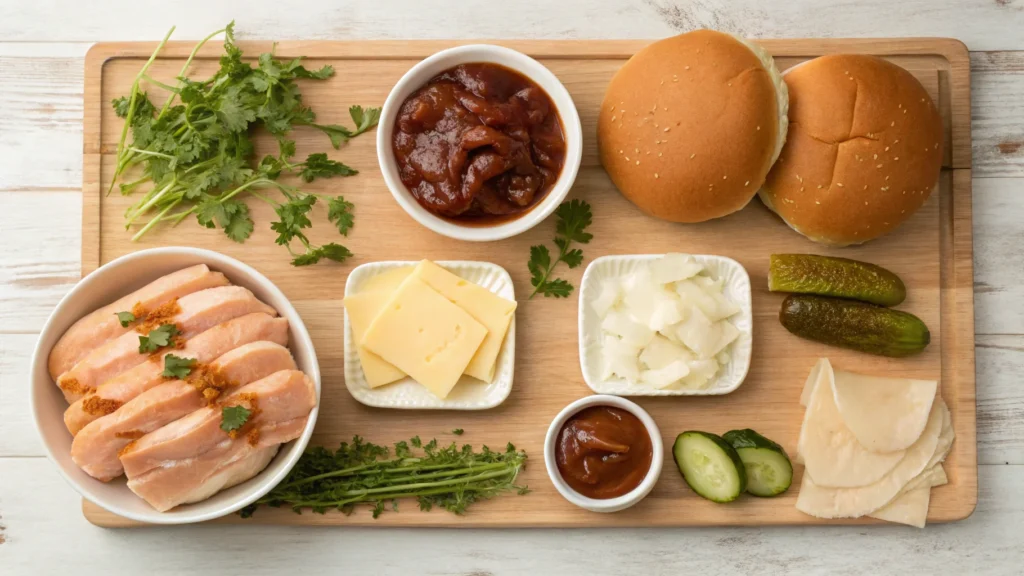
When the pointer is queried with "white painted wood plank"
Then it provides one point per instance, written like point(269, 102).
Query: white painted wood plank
point(998, 257)
point(41, 236)
point(45, 533)
point(17, 432)
point(991, 25)
point(997, 113)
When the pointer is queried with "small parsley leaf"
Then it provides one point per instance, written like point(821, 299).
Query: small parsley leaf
point(125, 318)
point(319, 166)
point(233, 417)
point(458, 431)
point(177, 367)
point(573, 218)
point(157, 338)
point(339, 211)
point(365, 118)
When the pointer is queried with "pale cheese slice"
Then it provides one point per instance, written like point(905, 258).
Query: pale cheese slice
point(825, 502)
point(426, 336)
point(831, 454)
point(911, 508)
point(489, 309)
point(389, 280)
point(884, 414)
point(362, 309)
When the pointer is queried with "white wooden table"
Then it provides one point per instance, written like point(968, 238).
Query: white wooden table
point(42, 44)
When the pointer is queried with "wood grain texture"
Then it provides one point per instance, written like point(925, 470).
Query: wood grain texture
point(930, 252)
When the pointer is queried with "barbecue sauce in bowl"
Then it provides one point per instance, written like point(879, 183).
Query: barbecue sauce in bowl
point(603, 452)
point(479, 144)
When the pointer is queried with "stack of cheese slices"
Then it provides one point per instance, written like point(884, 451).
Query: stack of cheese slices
point(871, 446)
point(425, 322)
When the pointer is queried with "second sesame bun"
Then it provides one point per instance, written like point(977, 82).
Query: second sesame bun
point(863, 153)
point(690, 125)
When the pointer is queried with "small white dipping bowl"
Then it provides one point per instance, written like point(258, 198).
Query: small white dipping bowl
point(106, 284)
point(608, 504)
point(418, 76)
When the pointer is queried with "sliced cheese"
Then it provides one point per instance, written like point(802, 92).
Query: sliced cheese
point(884, 414)
point(831, 454)
point(362, 309)
point(489, 309)
point(389, 280)
point(825, 502)
point(911, 508)
point(425, 335)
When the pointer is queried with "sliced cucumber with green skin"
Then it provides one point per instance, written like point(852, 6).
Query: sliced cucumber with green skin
point(710, 466)
point(769, 471)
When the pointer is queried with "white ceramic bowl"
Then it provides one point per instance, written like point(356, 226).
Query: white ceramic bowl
point(609, 504)
point(419, 75)
point(737, 289)
point(108, 283)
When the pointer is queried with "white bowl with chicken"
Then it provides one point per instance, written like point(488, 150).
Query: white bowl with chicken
point(174, 385)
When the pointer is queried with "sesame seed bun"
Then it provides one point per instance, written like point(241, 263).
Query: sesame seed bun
point(863, 153)
point(690, 125)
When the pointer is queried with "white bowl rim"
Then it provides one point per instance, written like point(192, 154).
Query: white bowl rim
point(619, 502)
point(418, 75)
point(260, 488)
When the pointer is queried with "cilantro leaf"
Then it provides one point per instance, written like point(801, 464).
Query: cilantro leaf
point(331, 251)
point(458, 431)
point(320, 166)
point(339, 211)
point(125, 318)
point(338, 134)
point(157, 338)
point(233, 417)
point(177, 367)
point(573, 218)
point(240, 225)
point(365, 118)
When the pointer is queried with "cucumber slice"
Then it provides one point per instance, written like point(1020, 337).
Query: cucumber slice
point(710, 466)
point(769, 471)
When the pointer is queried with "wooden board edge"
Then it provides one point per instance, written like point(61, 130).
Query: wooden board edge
point(92, 95)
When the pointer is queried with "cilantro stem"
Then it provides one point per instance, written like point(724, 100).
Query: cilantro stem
point(184, 70)
point(154, 221)
point(156, 82)
point(151, 153)
point(149, 204)
point(132, 103)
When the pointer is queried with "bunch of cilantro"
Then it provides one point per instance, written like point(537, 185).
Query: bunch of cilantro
point(197, 156)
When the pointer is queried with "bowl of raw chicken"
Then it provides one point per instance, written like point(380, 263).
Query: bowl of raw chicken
point(174, 385)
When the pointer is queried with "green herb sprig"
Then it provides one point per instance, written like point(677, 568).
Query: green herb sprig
point(572, 219)
point(177, 367)
point(233, 417)
point(359, 472)
point(125, 318)
point(157, 338)
point(197, 155)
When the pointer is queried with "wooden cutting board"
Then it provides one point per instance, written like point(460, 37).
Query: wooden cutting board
point(931, 252)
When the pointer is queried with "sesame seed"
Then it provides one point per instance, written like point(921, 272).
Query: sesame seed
point(936, 145)
point(692, 155)
point(865, 202)
point(840, 184)
point(896, 141)
point(886, 148)
point(865, 186)
point(847, 72)
point(614, 118)
point(675, 79)
point(801, 188)
point(904, 110)
point(885, 188)
point(922, 99)
point(818, 203)
point(687, 68)
point(627, 158)
point(637, 150)
point(893, 123)
point(885, 223)
point(819, 186)
point(657, 141)
point(899, 105)
point(620, 151)
point(887, 178)
point(875, 157)
point(666, 129)
point(758, 127)
point(747, 183)
point(659, 154)
point(724, 177)
point(728, 83)
point(655, 175)
point(662, 82)
point(664, 108)
point(879, 166)
point(896, 158)
point(902, 211)
point(637, 162)
point(904, 192)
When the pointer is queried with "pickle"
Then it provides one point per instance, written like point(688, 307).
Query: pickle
point(855, 325)
point(839, 277)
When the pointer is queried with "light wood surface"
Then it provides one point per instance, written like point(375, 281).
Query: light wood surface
point(42, 530)
point(931, 252)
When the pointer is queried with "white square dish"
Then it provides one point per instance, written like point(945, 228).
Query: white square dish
point(737, 289)
point(469, 393)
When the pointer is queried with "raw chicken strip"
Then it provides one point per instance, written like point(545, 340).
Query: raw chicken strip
point(280, 397)
point(231, 462)
point(199, 312)
point(95, 447)
point(101, 326)
point(205, 347)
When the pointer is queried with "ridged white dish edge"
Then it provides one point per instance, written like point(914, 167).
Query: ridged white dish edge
point(469, 393)
point(737, 289)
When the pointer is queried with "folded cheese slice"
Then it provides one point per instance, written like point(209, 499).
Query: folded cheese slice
point(491, 310)
point(884, 414)
point(826, 502)
point(831, 454)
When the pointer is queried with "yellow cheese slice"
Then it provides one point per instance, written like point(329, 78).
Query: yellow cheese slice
point(362, 309)
point(910, 508)
point(426, 336)
point(491, 310)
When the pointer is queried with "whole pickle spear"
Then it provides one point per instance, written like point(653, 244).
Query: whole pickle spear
point(839, 277)
point(855, 325)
